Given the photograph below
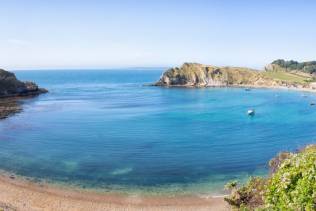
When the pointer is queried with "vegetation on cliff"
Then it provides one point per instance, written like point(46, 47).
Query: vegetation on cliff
point(293, 71)
point(308, 67)
point(291, 185)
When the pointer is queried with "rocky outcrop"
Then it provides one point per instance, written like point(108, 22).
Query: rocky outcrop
point(10, 86)
point(12, 89)
point(198, 75)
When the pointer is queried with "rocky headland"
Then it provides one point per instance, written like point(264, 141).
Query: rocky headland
point(12, 89)
point(10, 86)
point(274, 76)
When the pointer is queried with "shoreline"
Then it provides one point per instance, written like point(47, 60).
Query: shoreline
point(24, 195)
point(297, 89)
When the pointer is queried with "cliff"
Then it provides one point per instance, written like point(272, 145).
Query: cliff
point(10, 86)
point(275, 74)
point(198, 75)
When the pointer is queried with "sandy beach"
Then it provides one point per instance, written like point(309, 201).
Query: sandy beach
point(20, 194)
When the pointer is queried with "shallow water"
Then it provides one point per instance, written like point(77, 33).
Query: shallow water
point(104, 129)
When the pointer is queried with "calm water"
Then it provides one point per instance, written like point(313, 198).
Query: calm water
point(103, 129)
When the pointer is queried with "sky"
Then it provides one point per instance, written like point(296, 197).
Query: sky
point(37, 34)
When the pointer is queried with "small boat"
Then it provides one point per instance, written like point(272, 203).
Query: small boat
point(247, 89)
point(312, 104)
point(251, 112)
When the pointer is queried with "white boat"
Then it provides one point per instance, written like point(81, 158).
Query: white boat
point(251, 112)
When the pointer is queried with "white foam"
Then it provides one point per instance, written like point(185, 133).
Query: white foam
point(122, 171)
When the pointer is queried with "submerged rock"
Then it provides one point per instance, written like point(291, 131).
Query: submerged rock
point(9, 107)
point(10, 86)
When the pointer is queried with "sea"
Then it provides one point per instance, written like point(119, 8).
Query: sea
point(109, 131)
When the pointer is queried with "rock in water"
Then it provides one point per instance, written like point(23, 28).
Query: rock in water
point(10, 86)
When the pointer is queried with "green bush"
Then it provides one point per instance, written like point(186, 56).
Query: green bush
point(308, 67)
point(291, 185)
point(248, 196)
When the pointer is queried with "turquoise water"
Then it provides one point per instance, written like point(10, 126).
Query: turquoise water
point(104, 129)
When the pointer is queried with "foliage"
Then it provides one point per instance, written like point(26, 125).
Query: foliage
point(231, 185)
point(291, 185)
point(309, 67)
point(247, 196)
point(276, 162)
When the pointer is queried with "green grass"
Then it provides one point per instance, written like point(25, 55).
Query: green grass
point(286, 76)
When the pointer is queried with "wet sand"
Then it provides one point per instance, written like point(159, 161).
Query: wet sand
point(24, 195)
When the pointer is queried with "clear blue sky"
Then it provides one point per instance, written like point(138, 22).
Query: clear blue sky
point(118, 33)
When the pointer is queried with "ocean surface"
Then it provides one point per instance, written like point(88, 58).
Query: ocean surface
point(105, 130)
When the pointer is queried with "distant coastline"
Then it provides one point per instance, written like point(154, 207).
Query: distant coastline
point(278, 74)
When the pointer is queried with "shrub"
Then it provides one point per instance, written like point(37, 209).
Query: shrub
point(291, 185)
point(308, 67)
point(247, 196)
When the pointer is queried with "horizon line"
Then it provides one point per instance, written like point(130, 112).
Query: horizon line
point(86, 68)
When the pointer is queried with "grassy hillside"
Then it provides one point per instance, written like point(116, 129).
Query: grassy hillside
point(289, 77)
point(292, 71)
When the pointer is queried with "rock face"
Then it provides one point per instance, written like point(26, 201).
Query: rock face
point(10, 86)
point(198, 75)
